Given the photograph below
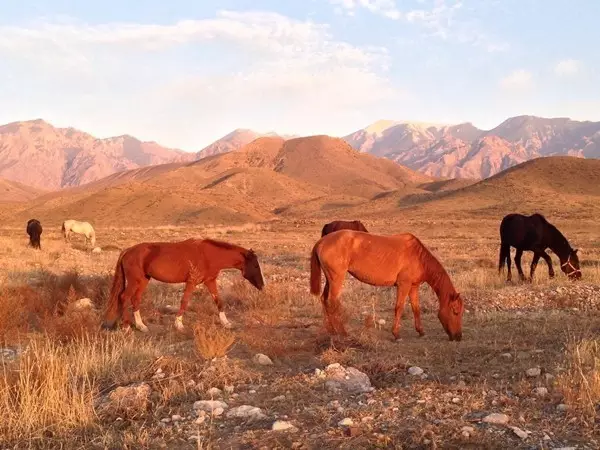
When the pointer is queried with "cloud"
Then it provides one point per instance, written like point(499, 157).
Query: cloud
point(567, 67)
point(517, 79)
point(250, 66)
point(385, 8)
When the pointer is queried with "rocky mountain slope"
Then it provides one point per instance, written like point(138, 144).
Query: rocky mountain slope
point(40, 155)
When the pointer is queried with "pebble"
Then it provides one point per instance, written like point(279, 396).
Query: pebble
point(562, 407)
point(200, 420)
point(346, 422)
point(506, 355)
point(176, 418)
point(218, 412)
point(522, 434)
point(279, 398)
point(540, 391)
point(415, 371)
point(496, 419)
point(533, 372)
point(281, 425)
point(262, 360)
point(214, 392)
point(209, 405)
point(467, 431)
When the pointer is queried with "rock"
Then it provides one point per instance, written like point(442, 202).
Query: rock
point(522, 434)
point(176, 418)
point(246, 412)
point(533, 372)
point(282, 425)
point(279, 398)
point(209, 405)
point(467, 431)
point(506, 355)
point(214, 392)
point(562, 407)
point(127, 401)
point(96, 250)
point(415, 371)
point(348, 379)
point(82, 303)
point(262, 360)
point(346, 422)
point(8, 354)
point(218, 411)
point(165, 420)
point(496, 419)
point(540, 391)
point(200, 420)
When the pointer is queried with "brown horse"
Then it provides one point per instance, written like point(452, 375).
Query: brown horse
point(192, 262)
point(400, 260)
point(343, 225)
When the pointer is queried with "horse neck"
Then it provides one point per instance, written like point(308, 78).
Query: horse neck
point(229, 258)
point(558, 243)
point(436, 276)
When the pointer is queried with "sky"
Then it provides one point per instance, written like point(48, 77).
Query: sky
point(184, 73)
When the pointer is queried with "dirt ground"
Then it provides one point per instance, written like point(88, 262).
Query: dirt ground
point(63, 357)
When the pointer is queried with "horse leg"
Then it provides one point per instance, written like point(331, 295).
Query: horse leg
point(534, 263)
point(518, 256)
point(189, 288)
point(416, 308)
point(401, 293)
point(508, 268)
point(135, 304)
point(126, 297)
point(211, 285)
point(548, 260)
point(333, 306)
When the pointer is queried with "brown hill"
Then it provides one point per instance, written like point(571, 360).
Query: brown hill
point(11, 191)
point(556, 185)
point(37, 154)
point(269, 177)
point(466, 152)
point(234, 141)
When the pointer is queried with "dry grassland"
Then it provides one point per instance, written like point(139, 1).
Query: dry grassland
point(52, 395)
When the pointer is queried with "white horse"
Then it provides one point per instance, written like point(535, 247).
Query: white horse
point(74, 226)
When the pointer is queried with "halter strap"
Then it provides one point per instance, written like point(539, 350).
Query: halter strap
point(568, 263)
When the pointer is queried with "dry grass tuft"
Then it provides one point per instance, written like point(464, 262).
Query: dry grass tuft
point(212, 341)
point(580, 383)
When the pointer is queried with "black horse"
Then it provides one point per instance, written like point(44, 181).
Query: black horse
point(534, 233)
point(343, 225)
point(34, 230)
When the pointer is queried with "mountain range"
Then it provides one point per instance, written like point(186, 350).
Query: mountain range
point(41, 156)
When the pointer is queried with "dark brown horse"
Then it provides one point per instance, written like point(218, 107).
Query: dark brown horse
point(34, 230)
point(400, 260)
point(343, 225)
point(192, 262)
point(534, 233)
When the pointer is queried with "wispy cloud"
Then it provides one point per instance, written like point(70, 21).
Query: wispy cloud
point(518, 79)
point(385, 8)
point(567, 67)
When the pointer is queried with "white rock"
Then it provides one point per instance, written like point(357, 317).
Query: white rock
point(533, 372)
point(540, 391)
point(176, 418)
point(218, 411)
point(214, 392)
point(96, 250)
point(496, 419)
point(506, 355)
point(263, 360)
point(415, 371)
point(346, 422)
point(282, 425)
point(279, 398)
point(522, 434)
point(165, 420)
point(200, 420)
point(348, 379)
point(467, 431)
point(246, 412)
point(209, 405)
point(562, 407)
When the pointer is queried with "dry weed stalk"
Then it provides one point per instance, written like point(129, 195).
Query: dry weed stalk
point(212, 341)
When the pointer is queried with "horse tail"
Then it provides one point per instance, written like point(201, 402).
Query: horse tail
point(114, 301)
point(315, 272)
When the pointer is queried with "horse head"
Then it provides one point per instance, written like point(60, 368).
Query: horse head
point(570, 266)
point(450, 315)
point(252, 271)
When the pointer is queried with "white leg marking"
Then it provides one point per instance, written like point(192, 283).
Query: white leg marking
point(263, 278)
point(179, 322)
point(223, 319)
point(138, 322)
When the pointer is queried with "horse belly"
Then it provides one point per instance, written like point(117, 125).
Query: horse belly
point(373, 276)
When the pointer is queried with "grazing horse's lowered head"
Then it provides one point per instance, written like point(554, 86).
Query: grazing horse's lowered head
point(34, 230)
point(251, 270)
point(450, 316)
point(570, 266)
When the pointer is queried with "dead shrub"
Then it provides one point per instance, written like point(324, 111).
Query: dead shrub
point(212, 341)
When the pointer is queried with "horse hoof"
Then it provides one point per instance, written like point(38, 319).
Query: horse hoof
point(421, 333)
point(143, 329)
point(228, 326)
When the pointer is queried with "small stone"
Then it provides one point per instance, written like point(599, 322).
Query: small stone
point(522, 434)
point(214, 392)
point(96, 250)
point(279, 398)
point(415, 371)
point(165, 420)
point(381, 322)
point(533, 372)
point(262, 360)
point(367, 419)
point(176, 418)
point(252, 391)
point(496, 419)
point(506, 355)
point(200, 420)
point(467, 431)
point(562, 407)
point(209, 405)
point(218, 412)
point(246, 412)
point(540, 391)
point(281, 425)
point(346, 422)
point(456, 400)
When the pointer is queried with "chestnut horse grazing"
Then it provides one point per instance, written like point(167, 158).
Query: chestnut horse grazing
point(192, 262)
point(343, 225)
point(399, 260)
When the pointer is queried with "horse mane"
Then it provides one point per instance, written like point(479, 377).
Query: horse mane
point(557, 236)
point(435, 273)
point(225, 245)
